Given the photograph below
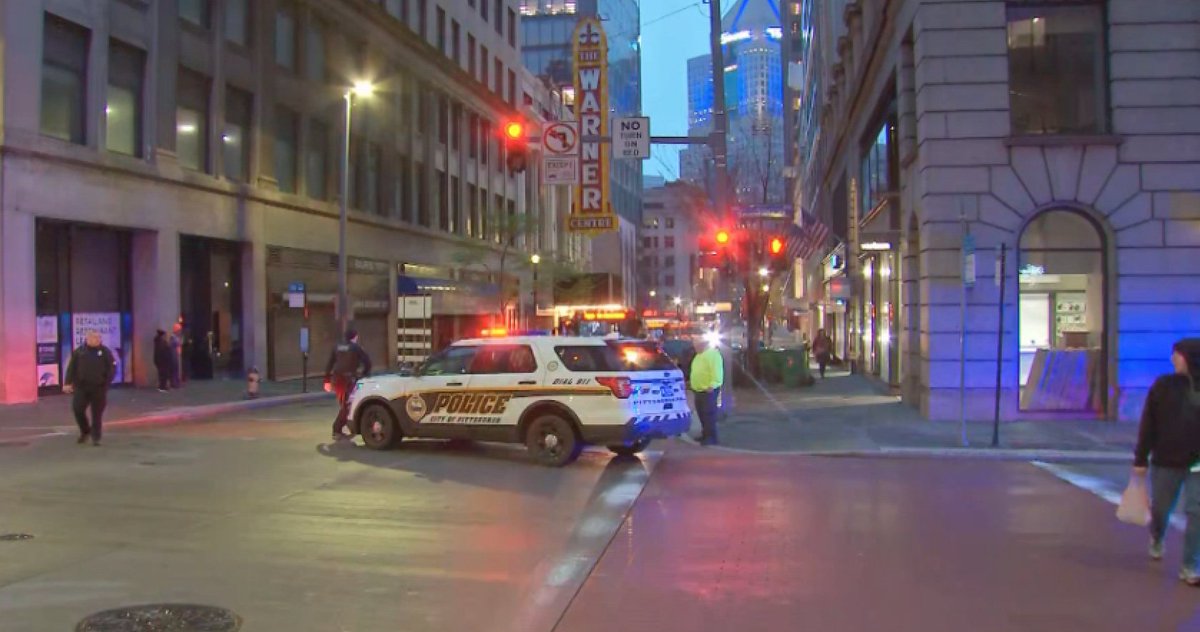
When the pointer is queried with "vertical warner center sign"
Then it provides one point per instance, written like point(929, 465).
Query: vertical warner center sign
point(592, 212)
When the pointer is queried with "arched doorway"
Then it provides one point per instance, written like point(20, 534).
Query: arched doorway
point(1063, 301)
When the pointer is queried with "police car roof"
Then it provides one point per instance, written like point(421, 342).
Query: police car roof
point(554, 340)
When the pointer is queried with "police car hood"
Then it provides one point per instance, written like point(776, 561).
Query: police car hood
point(387, 386)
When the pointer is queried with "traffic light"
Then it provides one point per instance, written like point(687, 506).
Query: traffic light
point(777, 255)
point(722, 237)
point(516, 143)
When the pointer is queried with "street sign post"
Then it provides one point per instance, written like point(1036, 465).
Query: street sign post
point(631, 137)
point(560, 154)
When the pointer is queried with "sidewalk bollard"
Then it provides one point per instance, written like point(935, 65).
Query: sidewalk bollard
point(252, 383)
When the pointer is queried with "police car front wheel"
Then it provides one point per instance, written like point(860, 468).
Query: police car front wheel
point(379, 429)
point(553, 441)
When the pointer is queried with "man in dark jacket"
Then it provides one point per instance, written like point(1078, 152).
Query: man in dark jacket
point(341, 374)
point(89, 373)
point(1169, 437)
point(163, 361)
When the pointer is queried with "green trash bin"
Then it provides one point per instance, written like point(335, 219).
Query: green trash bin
point(794, 367)
point(771, 363)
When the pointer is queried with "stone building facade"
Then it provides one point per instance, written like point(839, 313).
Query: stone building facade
point(179, 160)
point(1068, 132)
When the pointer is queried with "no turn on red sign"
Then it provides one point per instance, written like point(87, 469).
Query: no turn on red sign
point(560, 153)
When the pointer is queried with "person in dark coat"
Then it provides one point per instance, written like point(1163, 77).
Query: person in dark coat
point(89, 374)
point(1169, 441)
point(342, 372)
point(163, 360)
point(822, 348)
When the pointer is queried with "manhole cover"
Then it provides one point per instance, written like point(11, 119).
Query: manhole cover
point(162, 618)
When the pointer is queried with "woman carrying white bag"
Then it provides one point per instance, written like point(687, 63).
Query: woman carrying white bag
point(1169, 439)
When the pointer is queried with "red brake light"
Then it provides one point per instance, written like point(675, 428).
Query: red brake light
point(621, 387)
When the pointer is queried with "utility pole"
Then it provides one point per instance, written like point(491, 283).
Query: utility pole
point(720, 124)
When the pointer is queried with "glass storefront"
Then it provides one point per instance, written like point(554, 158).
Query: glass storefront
point(83, 283)
point(1062, 326)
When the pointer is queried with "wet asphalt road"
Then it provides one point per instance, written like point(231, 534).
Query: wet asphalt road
point(260, 515)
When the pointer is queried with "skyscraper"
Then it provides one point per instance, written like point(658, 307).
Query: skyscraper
point(750, 34)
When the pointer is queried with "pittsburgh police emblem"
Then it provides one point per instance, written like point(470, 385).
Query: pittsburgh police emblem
point(416, 407)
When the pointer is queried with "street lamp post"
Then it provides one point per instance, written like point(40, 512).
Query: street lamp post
point(360, 89)
point(535, 260)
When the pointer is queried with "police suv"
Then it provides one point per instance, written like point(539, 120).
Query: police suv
point(553, 394)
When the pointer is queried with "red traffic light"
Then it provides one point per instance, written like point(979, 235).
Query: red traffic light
point(722, 237)
point(776, 245)
point(514, 130)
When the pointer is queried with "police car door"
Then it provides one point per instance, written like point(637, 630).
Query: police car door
point(505, 380)
point(441, 376)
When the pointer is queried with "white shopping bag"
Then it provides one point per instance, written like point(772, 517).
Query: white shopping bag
point(1135, 503)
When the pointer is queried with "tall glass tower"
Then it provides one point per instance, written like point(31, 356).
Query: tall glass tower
point(751, 38)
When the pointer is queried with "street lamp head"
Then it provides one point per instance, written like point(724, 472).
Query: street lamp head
point(653, 293)
point(678, 301)
point(363, 88)
point(535, 259)
point(763, 272)
point(766, 288)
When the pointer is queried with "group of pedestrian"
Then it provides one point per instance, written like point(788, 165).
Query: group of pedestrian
point(168, 355)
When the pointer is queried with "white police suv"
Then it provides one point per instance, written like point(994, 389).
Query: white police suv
point(553, 394)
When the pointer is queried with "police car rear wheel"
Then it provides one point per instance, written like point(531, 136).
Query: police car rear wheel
point(552, 441)
point(379, 429)
point(630, 449)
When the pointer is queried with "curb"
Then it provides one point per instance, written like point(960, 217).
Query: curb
point(983, 454)
point(188, 413)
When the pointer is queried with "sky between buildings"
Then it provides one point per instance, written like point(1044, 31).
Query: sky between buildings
point(672, 32)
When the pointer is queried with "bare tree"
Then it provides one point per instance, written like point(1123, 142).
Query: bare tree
point(502, 229)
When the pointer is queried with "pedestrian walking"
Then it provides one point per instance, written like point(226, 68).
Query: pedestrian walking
point(707, 377)
point(1169, 442)
point(162, 360)
point(89, 373)
point(176, 344)
point(342, 372)
point(822, 348)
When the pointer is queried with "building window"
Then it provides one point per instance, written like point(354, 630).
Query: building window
point(123, 111)
point(441, 31)
point(456, 42)
point(670, 222)
point(483, 63)
point(314, 52)
point(473, 136)
point(471, 55)
point(443, 203)
point(669, 242)
point(485, 141)
point(456, 114)
point(64, 77)
point(316, 161)
point(512, 28)
point(286, 122)
point(512, 88)
point(499, 17)
point(443, 122)
point(669, 280)
point(880, 168)
point(191, 120)
point(455, 206)
point(499, 87)
point(483, 10)
point(646, 243)
point(285, 37)
point(237, 22)
point(668, 261)
point(424, 213)
point(370, 187)
point(235, 138)
point(196, 12)
point(403, 202)
point(423, 18)
point(1056, 67)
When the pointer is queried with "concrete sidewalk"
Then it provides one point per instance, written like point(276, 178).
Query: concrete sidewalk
point(847, 414)
point(126, 406)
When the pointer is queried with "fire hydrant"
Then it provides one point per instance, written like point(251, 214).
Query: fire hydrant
point(253, 379)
